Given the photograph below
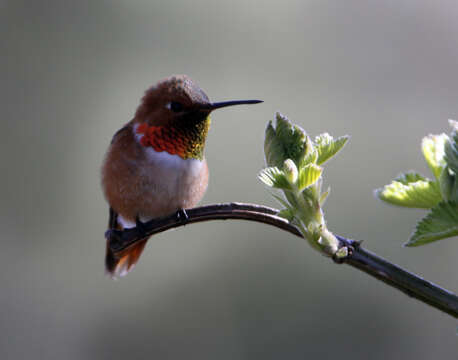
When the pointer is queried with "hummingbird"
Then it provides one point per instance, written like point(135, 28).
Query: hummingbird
point(155, 164)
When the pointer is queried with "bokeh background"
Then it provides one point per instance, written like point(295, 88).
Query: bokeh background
point(72, 72)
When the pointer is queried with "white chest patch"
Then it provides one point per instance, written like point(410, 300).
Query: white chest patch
point(137, 135)
point(167, 183)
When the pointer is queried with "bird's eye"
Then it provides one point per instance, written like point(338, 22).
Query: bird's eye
point(175, 106)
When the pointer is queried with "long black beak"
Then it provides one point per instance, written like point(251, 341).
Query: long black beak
point(221, 104)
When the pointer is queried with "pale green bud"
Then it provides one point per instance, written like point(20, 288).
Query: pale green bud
point(290, 170)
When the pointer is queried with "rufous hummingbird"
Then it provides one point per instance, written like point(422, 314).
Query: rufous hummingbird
point(155, 164)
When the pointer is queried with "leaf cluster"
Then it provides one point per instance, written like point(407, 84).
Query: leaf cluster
point(294, 166)
point(439, 195)
point(293, 160)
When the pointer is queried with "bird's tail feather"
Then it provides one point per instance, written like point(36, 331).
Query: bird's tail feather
point(120, 264)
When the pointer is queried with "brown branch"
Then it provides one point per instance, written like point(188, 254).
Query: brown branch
point(358, 257)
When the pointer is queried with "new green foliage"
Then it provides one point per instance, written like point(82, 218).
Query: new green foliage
point(441, 222)
point(411, 190)
point(451, 148)
point(308, 175)
point(440, 195)
point(293, 166)
point(285, 141)
point(327, 146)
point(432, 147)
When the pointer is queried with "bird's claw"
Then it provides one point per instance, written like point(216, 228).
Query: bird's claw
point(140, 226)
point(182, 216)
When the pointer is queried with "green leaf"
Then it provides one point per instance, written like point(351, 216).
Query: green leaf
point(440, 223)
point(285, 141)
point(308, 175)
point(287, 214)
point(451, 148)
point(275, 178)
point(281, 200)
point(410, 177)
point(310, 158)
point(324, 196)
point(433, 151)
point(411, 190)
point(448, 183)
point(327, 146)
point(292, 199)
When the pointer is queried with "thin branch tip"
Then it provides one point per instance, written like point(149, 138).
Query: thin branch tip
point(357, 256)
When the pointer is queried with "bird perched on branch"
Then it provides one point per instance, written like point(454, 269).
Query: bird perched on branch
point(155, 164)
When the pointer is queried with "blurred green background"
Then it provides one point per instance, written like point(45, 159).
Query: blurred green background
point(72, 72)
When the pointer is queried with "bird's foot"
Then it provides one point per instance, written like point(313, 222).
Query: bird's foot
point(140, 226)
point(182, 216)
